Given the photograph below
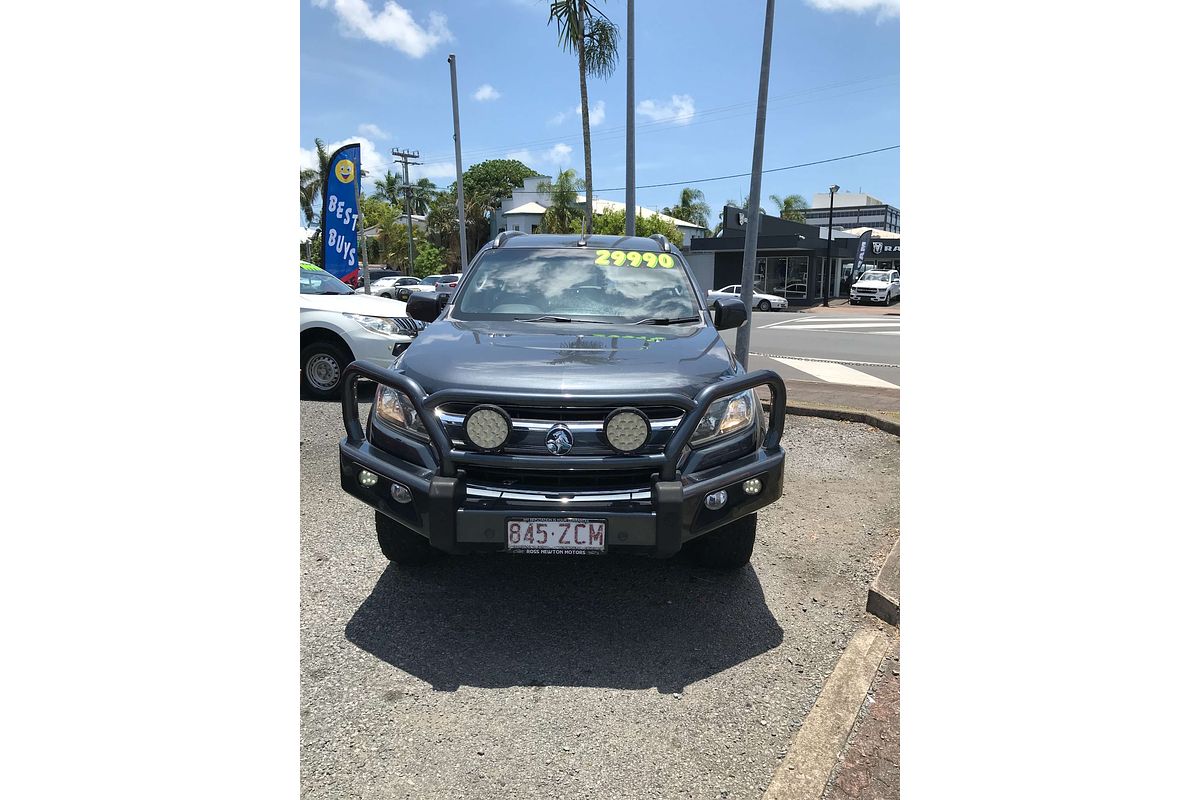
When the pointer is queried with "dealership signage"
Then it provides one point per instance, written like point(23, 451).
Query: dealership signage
point(339, 215)
point(885, 248)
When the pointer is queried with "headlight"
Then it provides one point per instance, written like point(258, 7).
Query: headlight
point(384, 325)
point(725, 416)
point(395, 409)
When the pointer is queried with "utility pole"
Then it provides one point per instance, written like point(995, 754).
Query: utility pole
point(365, 277)
point(462, 214)
point(630, 194)
point(749, 256)
point(404, 157)
point(829, 250)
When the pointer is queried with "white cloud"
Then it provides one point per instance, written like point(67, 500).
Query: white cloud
point(393, 25)
point(886, 8)
point(373, 130)
point(559, 156)
point(558, 119)
point(486, 92)
point(680, 110)
point(371, 160)
point(595, 113)
point(306, 234)
point(435, 172)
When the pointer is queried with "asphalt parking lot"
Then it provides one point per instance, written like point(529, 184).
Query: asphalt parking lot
point(581, 676)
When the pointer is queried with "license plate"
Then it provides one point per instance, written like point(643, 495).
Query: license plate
point(556, 536)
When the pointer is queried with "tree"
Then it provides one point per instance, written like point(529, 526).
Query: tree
point(422, 193)
point(431, 260)
point(391, 189)
point(493, 180)
point(613, 223)
point(791, 207)
point(312, 185)
point(691, 208)
point(563, 213)
point(586, 31)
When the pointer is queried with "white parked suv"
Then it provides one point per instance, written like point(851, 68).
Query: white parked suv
point(876, 286)
point(338, 326)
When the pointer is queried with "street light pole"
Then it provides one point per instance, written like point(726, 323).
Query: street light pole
point(829, 251)
point(630, 194)
point(750, 253)
point(462, 214)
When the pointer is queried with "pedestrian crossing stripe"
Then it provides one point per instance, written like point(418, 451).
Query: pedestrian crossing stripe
point(830, 372)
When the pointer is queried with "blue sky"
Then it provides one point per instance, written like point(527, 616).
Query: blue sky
point(376, 71)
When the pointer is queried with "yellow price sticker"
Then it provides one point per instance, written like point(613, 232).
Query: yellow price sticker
point(634, 258)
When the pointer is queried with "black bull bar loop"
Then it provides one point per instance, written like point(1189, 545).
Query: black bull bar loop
point(667, 462)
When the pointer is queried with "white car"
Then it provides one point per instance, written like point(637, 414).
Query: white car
point(448, 283)
point(876, 286)
point(390, 286)
point(762, 300)
point(338, 326)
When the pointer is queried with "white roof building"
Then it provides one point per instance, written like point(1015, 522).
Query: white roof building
point(524, 209)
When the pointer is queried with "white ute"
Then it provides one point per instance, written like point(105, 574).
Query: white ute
point(338, 326)
point(876, 286)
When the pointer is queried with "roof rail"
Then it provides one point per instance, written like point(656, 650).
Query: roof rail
point(505, 236)
point(663, 242)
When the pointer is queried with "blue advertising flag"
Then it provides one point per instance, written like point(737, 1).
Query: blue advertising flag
point(339, 215)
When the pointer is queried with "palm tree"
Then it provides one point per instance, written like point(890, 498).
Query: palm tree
point(422, 193)
point(691, 208)
point(391, 189)
point(563, 213)
point(585, 30)
point(312, 185)
point(791, 207)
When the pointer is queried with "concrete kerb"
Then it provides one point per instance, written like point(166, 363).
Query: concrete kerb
point(846, 415)
point(813, 753)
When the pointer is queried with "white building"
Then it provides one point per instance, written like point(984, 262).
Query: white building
point(524, 209)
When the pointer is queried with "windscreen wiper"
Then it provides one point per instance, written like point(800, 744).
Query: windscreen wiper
point(552, 318)
point(663, 321)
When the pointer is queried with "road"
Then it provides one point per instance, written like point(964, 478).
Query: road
point(517, 677)
point(848, 344)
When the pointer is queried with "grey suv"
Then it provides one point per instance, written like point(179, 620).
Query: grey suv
point(572, 396)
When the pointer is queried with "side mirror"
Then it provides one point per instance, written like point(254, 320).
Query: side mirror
point(424, 306)
point(728, 312)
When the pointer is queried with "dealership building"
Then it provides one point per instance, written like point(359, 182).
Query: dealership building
point(791, 256)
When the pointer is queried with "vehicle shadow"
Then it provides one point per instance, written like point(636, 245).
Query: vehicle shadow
point(617, 622)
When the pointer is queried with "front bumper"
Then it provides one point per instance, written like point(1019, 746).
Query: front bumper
point(457, 517)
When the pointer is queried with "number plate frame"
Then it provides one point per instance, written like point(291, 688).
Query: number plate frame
point(560, 540)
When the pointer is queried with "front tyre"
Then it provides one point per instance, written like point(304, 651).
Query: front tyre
point(400, 545)
point(728, 547)
point(322, 366)
point(764, 305)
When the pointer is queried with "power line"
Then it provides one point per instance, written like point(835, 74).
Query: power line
point(745, 174)
point(718, 113)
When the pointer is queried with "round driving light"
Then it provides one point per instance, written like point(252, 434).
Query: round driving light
point(626, 430)
point(401, 493)
point(716, 499)
point(487, 427)
point(752, 486)
point(368, 479)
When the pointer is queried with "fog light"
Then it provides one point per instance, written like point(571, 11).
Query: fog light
point(752, 486)
point(401, 493)
point(716, 500)
point(487, 427)
point(368, 479)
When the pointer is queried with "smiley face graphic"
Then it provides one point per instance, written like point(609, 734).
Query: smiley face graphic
point(344, 170)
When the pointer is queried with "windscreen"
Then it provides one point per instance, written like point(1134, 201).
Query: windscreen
point(875, 276)
point(580, 283)
point(318, 281)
